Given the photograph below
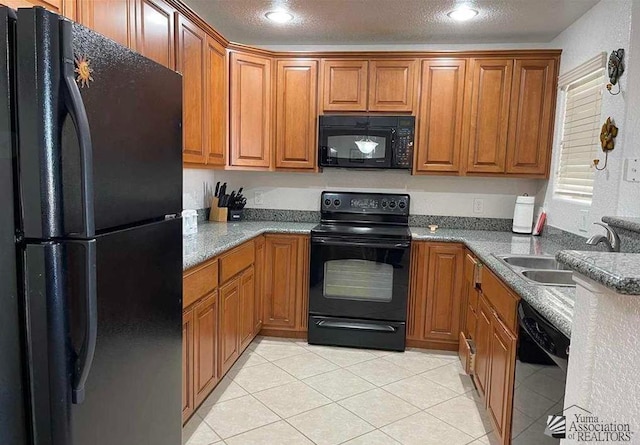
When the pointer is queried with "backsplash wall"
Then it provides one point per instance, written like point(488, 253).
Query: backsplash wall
point(430, 195)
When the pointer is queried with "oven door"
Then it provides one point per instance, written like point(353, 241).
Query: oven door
point(363, 147)
point(359, 278)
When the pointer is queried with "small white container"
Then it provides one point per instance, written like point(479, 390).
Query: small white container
point(189, 222)
point(523, 214)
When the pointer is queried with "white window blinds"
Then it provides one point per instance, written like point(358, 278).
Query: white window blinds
point(580, 133)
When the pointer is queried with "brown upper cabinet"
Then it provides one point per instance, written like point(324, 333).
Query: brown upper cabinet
point(532, 112)
point(64, 7)
point(191, 63)
point(112, 18)
point(216, 104)
point(488, 124)
point(369, 85)
point(296, 114)
point(250, 111)
point(344, 85)
point(440, 116)
point(392, 85)
point(155, 31)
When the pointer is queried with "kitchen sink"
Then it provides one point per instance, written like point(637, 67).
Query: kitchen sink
point(550, 277)
point(532, 262)
point(539, 269)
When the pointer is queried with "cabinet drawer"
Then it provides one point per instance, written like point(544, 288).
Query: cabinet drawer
point(466, 353)
point(237, 260)
point(501, 298)
point(198, 282)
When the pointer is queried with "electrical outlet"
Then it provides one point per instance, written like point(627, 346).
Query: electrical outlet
point(478, 205)
point(258, 198)
point(632, 172)
point(584, 220)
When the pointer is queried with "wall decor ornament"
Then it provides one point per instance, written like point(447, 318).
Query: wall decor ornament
point(615, 69)
point(607, 141)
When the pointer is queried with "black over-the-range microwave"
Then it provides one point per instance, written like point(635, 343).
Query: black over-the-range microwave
point(366, 141)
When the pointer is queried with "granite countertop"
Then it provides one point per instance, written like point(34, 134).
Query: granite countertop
point(617, 271)
point(623, 222)
point(214, 238)
point(555, 303)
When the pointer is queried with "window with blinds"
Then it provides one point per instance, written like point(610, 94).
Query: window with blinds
point(580, 135)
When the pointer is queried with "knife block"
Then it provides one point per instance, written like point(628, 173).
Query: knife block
point(219, 214)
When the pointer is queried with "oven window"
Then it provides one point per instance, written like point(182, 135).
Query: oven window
point(358, 280)
point(356, 147)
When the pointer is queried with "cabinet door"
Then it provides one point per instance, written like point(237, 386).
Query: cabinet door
point(344, 85)
point(533, 99)
point(392, 85)
point(302, 277)
point(64, 7)
point(489, 118)
point(281, 256)
point(483, 345)
point(259, 279)
point(155, 31)
point(296, 114)
point(111, 18)
point(191, 63)
point(250, 111)
point(416, 309)
point(442, 321)
point(501, 378)
point(440, 115)
point(206, 346)
point(217, 104)
point(229, 318)
point(188, 402)
point(247, 308)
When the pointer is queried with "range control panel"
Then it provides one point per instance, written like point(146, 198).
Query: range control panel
point(367, 203)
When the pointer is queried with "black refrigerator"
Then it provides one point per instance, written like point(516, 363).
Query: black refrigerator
point(90, 238)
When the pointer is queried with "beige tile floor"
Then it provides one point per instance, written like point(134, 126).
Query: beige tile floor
point(286, 392)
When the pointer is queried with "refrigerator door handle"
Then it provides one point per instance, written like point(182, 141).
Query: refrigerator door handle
point(75, 107)
point(85, 357)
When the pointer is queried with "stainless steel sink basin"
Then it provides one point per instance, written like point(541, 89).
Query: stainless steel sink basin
point(550, 277)
point(532, 262)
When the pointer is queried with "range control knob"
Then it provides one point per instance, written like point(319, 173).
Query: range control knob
point(384, 204)
point(327, 202)
point(392, 205)
point(336, 202)
point(402, 204)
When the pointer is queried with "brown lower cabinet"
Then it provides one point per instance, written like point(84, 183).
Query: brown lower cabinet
point(435, 294)
point(224, 308)
point(494, 357)
point(188, 403)
point(205, 346)
point(286, 285)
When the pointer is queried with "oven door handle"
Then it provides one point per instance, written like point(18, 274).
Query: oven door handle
point(373, 244)
point(355, 325)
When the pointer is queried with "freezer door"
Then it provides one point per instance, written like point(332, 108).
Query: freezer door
point(99, 128)
point(132, 393)
point(12, 385)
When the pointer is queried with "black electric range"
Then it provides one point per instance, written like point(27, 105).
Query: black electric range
point(359, 275)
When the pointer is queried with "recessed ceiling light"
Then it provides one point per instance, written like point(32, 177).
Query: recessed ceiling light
point(279, 16)
point(462, 14)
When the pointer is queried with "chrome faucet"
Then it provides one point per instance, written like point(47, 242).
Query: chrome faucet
point(611, 240)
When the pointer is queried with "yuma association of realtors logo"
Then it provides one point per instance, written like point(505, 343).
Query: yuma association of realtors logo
point(576, 423)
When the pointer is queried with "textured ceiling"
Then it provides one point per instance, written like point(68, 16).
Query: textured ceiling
point(331, 22)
